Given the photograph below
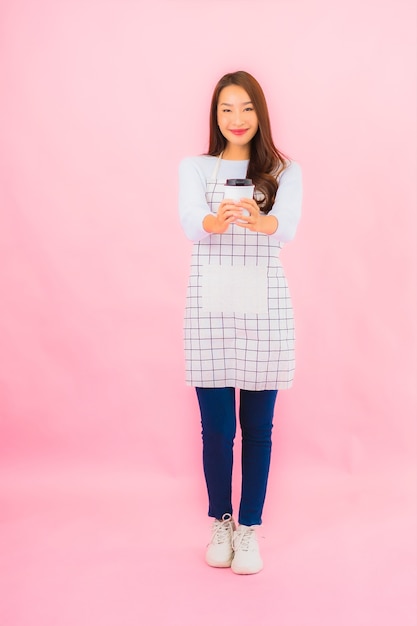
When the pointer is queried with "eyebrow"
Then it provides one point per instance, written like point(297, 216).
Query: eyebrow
point(225, 104)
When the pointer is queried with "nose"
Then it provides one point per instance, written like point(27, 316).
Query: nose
point(237, 119)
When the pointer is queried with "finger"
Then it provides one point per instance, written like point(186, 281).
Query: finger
point(248, 202)
point(229, 216)
point(234, 211)
point(227, 209)
point(228, 201)
point(249, 210)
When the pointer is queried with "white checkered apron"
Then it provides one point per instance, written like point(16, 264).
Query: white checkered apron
point(239, 323)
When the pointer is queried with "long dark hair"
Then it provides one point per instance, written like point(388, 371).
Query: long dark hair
point(266, 161)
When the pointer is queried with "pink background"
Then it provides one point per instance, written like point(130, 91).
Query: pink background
point(103, 509)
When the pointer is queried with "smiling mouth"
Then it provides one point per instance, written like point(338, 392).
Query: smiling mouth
point(239, 132)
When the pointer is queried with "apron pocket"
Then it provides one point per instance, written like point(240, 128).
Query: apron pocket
point(234, 289)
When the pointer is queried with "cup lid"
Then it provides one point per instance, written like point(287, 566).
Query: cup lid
point(239, 182)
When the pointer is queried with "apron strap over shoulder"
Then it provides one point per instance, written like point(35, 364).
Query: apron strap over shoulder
point(217, 166)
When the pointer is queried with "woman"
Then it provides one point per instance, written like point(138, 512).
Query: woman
point(239, 330)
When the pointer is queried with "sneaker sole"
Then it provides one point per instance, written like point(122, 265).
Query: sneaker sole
point(245, 571)
point(216, 564)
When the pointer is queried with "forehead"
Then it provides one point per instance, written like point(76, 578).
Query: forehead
point(233, 94)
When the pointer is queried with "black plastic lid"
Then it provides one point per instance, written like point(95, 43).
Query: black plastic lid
point(239, 182)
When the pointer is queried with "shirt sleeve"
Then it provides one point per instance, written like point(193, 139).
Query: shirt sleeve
point(287, 205)
point(192, 202)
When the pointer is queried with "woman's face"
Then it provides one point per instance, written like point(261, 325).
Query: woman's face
point(236, 116)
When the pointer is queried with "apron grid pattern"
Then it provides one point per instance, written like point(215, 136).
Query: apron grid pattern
point(238, 349)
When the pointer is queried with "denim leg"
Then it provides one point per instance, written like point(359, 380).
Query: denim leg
point(218, 421)
point(256, 416)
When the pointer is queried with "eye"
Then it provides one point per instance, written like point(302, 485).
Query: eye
point(249, 109)
point(226, 111)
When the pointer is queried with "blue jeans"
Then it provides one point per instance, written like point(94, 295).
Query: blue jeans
point(218, 420)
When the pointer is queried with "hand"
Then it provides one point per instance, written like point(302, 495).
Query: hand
point(256, 221)
point(250, 217)
point(227, 213)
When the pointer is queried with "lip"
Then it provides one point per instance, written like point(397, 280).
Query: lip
point(239, 132)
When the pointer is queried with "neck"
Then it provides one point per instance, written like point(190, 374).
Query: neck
point(236, 153)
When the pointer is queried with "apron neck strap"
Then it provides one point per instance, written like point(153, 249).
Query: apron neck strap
point(217, 167)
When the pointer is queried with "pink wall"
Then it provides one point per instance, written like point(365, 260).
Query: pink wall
point(99, 102)
point(102, 503)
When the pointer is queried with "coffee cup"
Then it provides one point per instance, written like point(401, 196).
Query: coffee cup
point(238, 188)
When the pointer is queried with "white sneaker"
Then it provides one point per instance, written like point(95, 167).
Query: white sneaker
point(247, 559)
point(219, 551)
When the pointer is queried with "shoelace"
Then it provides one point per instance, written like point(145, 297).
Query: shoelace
point(243, 538)
point(222, 530)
